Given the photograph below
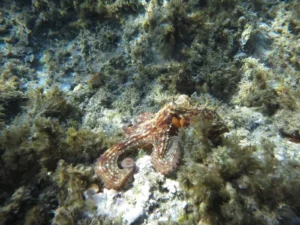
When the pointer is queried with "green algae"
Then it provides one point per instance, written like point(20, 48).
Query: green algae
point(180, 47)
point(31, 150)
point(231, 184)
point(10, 94)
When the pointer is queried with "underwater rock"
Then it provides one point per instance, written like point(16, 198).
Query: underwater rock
point(107, 59)
point(152, 198)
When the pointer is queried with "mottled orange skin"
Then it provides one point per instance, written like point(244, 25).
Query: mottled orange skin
point(158, 131)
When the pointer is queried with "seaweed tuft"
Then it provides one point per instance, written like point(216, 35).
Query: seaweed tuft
point(233, 184)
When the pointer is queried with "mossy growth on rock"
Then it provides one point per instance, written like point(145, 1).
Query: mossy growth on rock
point(11, 98)
point(196, 50)
point(238, 185)
point(51, 103)
point(72, 181)
point(31, 148)
point(255, 90)
point(30, 156)
point(81, 13)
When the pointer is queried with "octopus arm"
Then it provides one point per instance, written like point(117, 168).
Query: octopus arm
point(166, 154)
point(107, 168)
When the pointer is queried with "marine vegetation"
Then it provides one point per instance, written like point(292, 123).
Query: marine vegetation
point(229, 184)
point(34, 151)
point(74, 72)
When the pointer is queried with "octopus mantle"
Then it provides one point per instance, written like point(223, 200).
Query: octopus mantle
point(158, 131)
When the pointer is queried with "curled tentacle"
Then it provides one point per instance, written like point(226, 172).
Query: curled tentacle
point(107, 168)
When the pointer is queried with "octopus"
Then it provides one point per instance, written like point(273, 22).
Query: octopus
point(293, 136)
point(159, 132)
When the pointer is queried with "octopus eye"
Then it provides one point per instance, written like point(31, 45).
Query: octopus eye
point(128, 163)
point(179, 122)
point(176, 122)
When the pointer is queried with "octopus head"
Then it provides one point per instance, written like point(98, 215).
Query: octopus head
point(183, 101)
